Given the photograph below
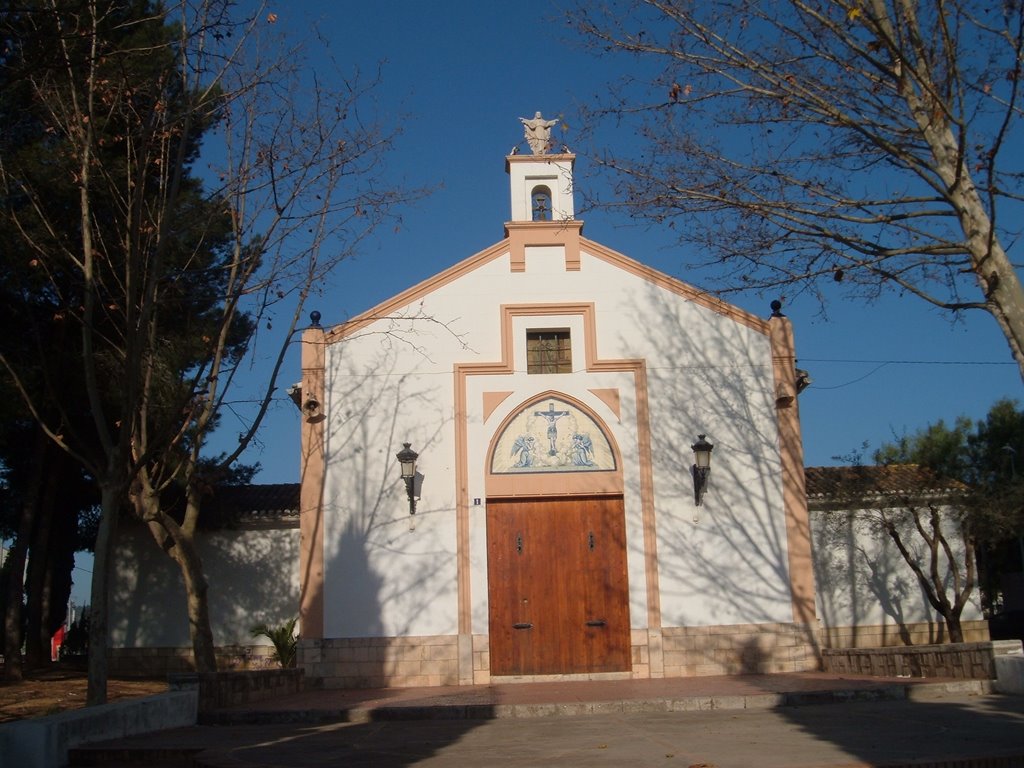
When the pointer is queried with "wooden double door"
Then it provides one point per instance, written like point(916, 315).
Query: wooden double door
point(557, 586)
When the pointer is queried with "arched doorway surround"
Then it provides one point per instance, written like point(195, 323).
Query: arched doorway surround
point(558, 591)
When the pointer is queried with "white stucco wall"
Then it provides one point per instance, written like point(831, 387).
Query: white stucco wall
point(253, 576)
point(392, 382)
point(862, 579)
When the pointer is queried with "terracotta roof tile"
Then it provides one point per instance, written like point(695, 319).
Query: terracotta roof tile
point(273, 503)
point(835, 483)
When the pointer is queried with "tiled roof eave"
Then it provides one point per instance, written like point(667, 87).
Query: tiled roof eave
point(882, 499)
point(266, 522)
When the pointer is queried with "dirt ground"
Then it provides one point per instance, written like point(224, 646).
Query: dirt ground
point(60, 688)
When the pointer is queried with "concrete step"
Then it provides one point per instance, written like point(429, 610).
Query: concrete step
point(122, 757)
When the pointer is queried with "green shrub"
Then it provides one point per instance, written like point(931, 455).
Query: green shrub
point(284, 639)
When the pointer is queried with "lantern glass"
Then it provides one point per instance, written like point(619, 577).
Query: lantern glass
point(407, 458)
point(702, 452)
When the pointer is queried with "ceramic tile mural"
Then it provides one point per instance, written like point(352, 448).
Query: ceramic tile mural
point(552, 435)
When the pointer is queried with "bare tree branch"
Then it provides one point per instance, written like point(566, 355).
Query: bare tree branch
point(790, 143)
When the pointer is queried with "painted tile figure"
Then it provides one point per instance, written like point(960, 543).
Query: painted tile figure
point(582, 450)
point(552, 416)
point(526, 447)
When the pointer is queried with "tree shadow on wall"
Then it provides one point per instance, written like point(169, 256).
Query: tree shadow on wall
point(854, 581)
point(147, 596)
point(723, 563)
point(728, 561)
point(369, 533)
point(250, 570)
point(382, 570)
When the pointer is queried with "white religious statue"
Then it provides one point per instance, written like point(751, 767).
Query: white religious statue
point(538, 133)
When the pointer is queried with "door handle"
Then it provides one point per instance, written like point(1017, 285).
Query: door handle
point(523, 625)
point(597, 623)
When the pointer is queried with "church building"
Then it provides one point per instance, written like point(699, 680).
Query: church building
point(552, 460)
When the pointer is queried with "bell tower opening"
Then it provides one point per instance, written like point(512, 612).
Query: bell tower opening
point(541, 197)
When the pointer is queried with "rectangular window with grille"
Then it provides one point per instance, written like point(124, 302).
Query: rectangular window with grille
point(548, 352)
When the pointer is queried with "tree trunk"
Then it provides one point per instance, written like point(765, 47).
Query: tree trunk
point(996, 275)
point(14, 567)
point(933, 582)
point(197, 591)
point(59, 579)
point(111, 494)
point(14, 571)
point(49, 581)
point(956, 632)
point(180, 545)
point(1006, 297)
point(37, 650)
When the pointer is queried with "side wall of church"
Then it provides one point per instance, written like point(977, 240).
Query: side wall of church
point(255, 580)
point(868, 596)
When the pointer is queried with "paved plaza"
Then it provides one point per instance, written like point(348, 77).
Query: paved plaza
point(959, 731)
point(863, 723)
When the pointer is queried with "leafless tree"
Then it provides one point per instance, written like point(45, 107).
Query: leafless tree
point(300, 175)
point(872, 143)
point(947, 577)
point(926, 521)
point(293, 182)
point(933, 543)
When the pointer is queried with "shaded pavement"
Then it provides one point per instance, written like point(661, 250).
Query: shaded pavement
point(716, 722)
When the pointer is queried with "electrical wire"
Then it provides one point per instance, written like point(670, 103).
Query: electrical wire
point(880, 364)
point(907, 362)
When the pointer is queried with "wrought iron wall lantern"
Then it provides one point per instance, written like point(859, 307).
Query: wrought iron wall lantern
point(407, 461)
point(701, 468)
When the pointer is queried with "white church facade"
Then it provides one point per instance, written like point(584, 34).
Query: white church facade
point(547, 402)
point(553, 392)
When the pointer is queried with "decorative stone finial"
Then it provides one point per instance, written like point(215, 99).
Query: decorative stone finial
point(314, 319)
point(538, 133)
point(777, 309)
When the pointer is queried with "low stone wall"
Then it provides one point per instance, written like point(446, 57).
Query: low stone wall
point(218, 690)
point(43, 742)
point(738, 649)
point(899, 635)
point(964, 661)
point(153, 662)
point(380, 662)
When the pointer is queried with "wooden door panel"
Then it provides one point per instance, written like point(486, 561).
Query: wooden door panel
point(553, 565)
point(510, 646)
point(605, 637)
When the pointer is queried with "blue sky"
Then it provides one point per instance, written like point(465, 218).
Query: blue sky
point(457, 76)
point(461, 74)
